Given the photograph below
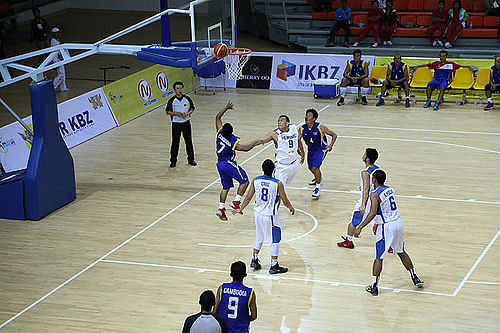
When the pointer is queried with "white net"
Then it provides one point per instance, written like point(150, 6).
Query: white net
point(235, 62)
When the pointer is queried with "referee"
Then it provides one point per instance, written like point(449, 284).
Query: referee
point(205, 321)
point(180, 108)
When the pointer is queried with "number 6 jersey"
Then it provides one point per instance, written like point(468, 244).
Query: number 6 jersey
point(387, 210)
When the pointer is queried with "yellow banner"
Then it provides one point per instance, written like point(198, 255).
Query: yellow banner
point(413, 61)
point(141, 92)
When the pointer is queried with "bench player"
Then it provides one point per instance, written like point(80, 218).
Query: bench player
point(355, 75)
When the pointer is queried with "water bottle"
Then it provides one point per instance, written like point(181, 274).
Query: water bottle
point(414, 101)
point(475, 103)
point(470, 25)
point(481, 100)
point(396, 100)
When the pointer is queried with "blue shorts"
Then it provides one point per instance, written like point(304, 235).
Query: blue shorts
point(357, 217)
point(399, 85)
point(354, 84)
point(434, 84)
point(315, 158)
point(496, 91)
point(229, 170)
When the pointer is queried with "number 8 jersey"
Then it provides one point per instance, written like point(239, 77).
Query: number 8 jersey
point(387, 211)
point(266, 195)
point(234, 306)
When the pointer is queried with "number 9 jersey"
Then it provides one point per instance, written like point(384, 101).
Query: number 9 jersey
point(234, 306)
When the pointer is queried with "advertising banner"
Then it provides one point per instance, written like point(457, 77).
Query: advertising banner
point(15, 145)
point(256, 73)
point(143, 91)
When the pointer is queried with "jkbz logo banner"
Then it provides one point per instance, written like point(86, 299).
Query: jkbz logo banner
point(293, 71)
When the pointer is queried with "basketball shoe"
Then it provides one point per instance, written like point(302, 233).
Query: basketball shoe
point(317, 193)
point(364, 101)
point(341, 101)
point(380, 102)
point(372, 290)
point(277, 269)
point(235, 204)
point(255, 264)
point(346, 243)
point(221, 213)
point(489, 106)
point(416, 281)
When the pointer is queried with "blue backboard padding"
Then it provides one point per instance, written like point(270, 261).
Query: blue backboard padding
point(50, 176)
point(174, 52)
point(213, 69)
point(163, 60)
point(12, 197)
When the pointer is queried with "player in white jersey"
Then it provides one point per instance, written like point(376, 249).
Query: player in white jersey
point(366, 186)
point(288, 149)
point(388, 229)
point(268, 193)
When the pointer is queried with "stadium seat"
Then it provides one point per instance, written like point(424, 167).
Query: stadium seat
point(354, 4)
point(378, 72)
point(490, 22)
point(478, 6)
point(424, 20)
point(336, 4)
point(448, 4)
point(477, 21)
point(366, 4)
point(430, 5)
point(415, 5)
point(483, 78)
point(321, 15)
point(400, 5)
point(408, 18)
point(421, 77)
point(360, 18)
point(467, 4)
point(463, 79)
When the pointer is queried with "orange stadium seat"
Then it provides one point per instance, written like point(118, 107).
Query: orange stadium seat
point(366, 4)
point(360, 18)
point(425, 20)
point(477, 21)
point(400, 5)
point(408, 18)
point(467, 4)
point(321, 15)
point(430, 5)
point(415, 5)
point(336, 4)
point(354, 4)
point(490, 22)
point(478, 6)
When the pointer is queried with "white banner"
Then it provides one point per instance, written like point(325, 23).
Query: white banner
point(297, 71)
point(80, 119)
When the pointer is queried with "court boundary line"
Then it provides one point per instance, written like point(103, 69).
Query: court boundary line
point(483, 282)
point(414, 129)
point(305, 188)
point(315, 226)
point(478, 260)
point(41, 299)
point(271, 277)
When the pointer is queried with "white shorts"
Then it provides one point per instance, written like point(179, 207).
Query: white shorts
point(267, 229)
point(389, 235)
point(286, 172)
point(357, 218)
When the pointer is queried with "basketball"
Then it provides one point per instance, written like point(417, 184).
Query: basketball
point(221, 50)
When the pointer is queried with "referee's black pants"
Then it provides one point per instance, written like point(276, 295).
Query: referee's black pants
point(185, 129)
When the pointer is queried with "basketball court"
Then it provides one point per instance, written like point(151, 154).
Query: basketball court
point(142, 241)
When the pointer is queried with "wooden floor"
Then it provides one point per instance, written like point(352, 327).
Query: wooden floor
point(141, 242)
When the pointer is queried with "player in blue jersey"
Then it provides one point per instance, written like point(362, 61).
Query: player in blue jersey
point(356, 75)
point(397, 77)
point(443, 73)
point(493, 87)
point(314, 135)
point(226, 145)
point(366, 187)
point(388, 229)
point(268, 191)
point(235, 302)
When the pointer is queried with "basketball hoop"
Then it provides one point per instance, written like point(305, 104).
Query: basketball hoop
point(235, 64)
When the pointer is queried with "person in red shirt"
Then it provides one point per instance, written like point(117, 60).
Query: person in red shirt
point(439, 22)
point(374, 15)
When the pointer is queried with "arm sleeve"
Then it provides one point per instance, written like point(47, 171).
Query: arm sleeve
point(169, 105)
point(432, 65)
point(188, 323)
point(222, 323)
point(456, 66)
point(191, 104)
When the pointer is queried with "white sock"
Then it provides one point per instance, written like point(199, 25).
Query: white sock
point(490, 100)
point(273, 262)
point(375, 280)
point(343, 91)
point(221, 205)
point(318, 185)
point(237, 197)
point(349, 238)
point(255, 256)
point(364, 91)
point(407, 97)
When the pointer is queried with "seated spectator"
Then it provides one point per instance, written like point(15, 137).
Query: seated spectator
point(439, 22)
point(390, 21)
point(493, 87)
point(342, 21)
point(355, 75)
point(374, 15)
point(443, 71)
point(397, 77)
point(457, 17)
point(205, 321)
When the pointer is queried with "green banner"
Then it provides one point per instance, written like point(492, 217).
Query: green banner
point(141, 92)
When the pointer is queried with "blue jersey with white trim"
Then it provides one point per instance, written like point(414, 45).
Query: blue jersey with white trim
point(234, 305)
point(225, 147)
point(266, 195)
point(314, 137)
point(387, 210)
point(397, 73)
point(356, 70)
point(495, 75)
